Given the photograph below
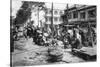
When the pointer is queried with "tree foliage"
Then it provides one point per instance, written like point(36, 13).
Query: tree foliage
point(23, 14)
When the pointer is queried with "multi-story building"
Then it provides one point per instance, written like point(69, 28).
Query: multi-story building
point(82, 15)
point(55, 18)
point(85, 18)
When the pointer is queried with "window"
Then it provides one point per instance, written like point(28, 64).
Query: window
point(60, 19)
point(75, 14)
point(55, 19)
point(82, 15)
point(69, 15)
point(49, 18)
point(61, 12)
point(92, 13)
point(55, 12)
point(48, 11)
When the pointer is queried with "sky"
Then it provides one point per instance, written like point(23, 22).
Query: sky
point(56, 6)
point(16, 4)
point(61, 6)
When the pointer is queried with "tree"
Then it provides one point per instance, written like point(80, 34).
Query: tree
point(23, 14)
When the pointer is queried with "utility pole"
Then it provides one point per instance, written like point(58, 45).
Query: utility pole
point(67, 16)
point(52, 19)
point(38, 16)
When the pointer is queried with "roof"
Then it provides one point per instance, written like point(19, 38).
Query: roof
point(81, 8)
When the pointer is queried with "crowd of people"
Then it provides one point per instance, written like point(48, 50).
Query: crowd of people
point(70, 38)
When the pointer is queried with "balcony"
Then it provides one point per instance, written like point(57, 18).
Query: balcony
point(76, 20)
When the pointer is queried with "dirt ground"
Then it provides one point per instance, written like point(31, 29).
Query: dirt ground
point(28, 53)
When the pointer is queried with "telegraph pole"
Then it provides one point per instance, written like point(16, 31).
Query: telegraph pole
point(38, 16)
point(67, 16)
point(52, 19)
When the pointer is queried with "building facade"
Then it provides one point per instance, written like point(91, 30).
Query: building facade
point(82, 15)
point(56, 16)
point(84, 18)
point(53, 18)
